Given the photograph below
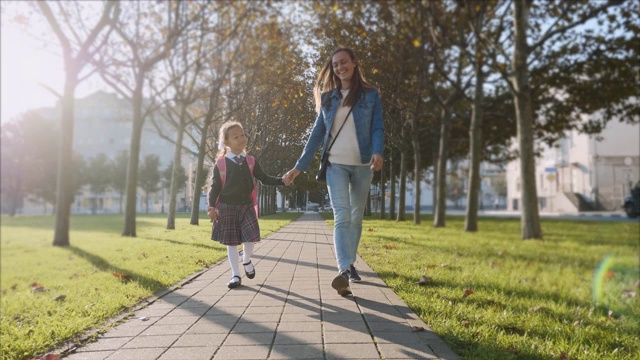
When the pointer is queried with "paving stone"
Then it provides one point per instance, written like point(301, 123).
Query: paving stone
point(112, 343)
point(298, 338)
point(256, 338)
point(90, 355)
point(351, 351)
point(413, 351)
point(282, 351)
point(136, 354)
point(191, 353)
point(200, 340)
point(242, 352)
point(160, 341)
point(346, 337)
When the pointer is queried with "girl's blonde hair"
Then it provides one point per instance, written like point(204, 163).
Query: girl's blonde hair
point(222, 136)
point(328, 80)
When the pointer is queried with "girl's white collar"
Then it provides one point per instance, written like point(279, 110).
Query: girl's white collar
point(231, 155)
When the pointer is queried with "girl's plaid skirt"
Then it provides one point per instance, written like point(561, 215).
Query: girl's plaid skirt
point(235, 224)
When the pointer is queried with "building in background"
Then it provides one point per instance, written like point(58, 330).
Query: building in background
point(102, 125)
point(583, 172)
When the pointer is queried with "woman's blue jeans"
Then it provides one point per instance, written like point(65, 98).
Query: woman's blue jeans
point(348, 189)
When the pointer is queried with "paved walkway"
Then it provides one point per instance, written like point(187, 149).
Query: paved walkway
point(288, 311)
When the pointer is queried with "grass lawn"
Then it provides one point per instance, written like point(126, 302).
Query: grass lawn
point(99, 276)
point(568, 296)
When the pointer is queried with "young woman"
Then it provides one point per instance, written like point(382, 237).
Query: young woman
point(343, 96)
point(232, 207)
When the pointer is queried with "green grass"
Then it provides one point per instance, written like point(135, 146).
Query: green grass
point(531, 299)
point(33, 322)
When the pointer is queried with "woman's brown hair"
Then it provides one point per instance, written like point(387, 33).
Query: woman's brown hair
point(328, 80)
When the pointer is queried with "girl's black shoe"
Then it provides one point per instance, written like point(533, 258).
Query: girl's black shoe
point(234, 282)
point(250, 274)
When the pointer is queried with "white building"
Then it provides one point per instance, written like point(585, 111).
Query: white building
point(583, 172)
point(102, 124)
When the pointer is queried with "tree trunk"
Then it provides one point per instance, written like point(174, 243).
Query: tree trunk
point(403, 185)
point(475, 147)
point(441, 171)
point(530, 218)
point(383, 191)
point(65, 162)
point(416, 180)
point(392, 190)
point(177, 162)
point(134, 154)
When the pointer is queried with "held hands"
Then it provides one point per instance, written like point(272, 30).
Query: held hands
point(290, 176)
point(286, 180)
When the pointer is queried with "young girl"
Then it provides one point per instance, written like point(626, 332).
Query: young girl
point(232, 207)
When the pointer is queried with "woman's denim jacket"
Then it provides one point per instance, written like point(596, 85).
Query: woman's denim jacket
point(367, 115)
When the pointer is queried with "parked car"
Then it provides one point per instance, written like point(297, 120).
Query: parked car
point(632, 202)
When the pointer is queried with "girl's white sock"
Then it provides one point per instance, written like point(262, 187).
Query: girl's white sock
point(234, 259)
point(247, 251)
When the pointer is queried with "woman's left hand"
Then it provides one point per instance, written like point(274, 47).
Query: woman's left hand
point(376, 162)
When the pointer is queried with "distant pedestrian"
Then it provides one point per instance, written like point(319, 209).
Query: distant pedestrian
point(232, 199)
point(350, 119)
point(496, 203)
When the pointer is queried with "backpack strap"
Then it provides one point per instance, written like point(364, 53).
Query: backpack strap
point(222, 168)
point(251, 161)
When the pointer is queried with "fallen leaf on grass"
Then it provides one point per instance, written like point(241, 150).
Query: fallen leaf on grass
point(564, 356)
point(613, 315)
point(424, 280)
point(466, 323)
point(39, 289)
point(429, 267)
point(628, 294)
point(609, 274)
point(59, 297)
point(14, 286)
point(120, 276)
point(467, 293)
point(371, 230)
point(417, 328)
point(390, 246)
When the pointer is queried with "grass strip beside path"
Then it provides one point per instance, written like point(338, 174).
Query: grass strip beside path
point(529, 299)
point(51, 294)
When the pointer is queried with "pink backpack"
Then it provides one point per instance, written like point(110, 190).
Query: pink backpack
point(222, 168)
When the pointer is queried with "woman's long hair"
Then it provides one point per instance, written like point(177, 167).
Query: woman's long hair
point(328, 80)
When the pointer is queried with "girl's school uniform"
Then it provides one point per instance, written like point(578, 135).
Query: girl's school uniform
point(237, 221)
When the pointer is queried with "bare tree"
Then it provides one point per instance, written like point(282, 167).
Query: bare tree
point(79, 44)
point(147, 34)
